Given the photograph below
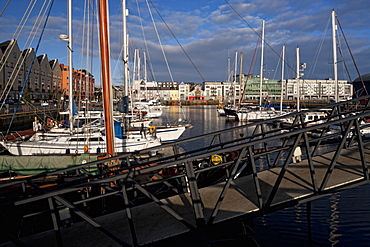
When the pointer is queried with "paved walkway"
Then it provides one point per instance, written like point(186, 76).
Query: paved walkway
point(152, 223)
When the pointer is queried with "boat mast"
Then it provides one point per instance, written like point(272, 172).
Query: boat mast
point(262, 48)
point(234, 81)
point(228, 69)
point(70, 65)
point(298, 79)
point(125, 48)
point(335, 62)
point(282, 79)
point(105, 75)
point(241, 81)
point(145, 77)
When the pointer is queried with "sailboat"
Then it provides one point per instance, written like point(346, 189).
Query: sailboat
point(230, 109)
point(251, 114)
point(93, 140)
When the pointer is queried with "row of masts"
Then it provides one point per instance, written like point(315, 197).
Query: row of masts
point(299, 66)
point(105, 65)
point(105, 68)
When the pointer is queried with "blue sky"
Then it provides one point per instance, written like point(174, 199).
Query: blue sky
point(210, 32)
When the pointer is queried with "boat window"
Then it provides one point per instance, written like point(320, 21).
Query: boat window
point(81, 139)
point(96, 139)
point(47, 138)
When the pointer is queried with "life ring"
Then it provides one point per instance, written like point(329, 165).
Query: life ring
point(216, 159)
point(152, 129)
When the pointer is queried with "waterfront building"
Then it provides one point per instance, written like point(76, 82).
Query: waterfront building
point(197, 93)
point(316, 89)
point(184, 89)
point(214, 90)
point(83, 83)
point(271, 89)
point(166, 90)
point(46, 79)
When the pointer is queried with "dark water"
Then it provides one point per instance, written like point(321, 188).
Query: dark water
point(341, 219)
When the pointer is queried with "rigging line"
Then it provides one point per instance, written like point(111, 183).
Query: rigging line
point(29, 71)
point(191, 61)
point(236, 12)
point(17, 31)
point(353, 59)
point(344, 63)
point(249, 72)
point(24, 19)
point(155, 28)
point(318, 51)
point(82, 83)
point(11, 80)
point(277, 66)
point(145, 42)
point(6, 5)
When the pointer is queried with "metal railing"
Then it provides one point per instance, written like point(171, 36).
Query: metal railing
point(227, 156)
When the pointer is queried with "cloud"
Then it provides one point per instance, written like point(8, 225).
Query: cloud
point(211, 31)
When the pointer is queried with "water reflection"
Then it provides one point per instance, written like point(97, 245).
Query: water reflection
point(334, 220)
point(341, 219)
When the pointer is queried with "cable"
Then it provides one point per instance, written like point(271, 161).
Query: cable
point(6, 5)
point(29, 71)
point(191, 61)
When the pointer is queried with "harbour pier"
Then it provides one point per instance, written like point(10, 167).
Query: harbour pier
point(188, 191)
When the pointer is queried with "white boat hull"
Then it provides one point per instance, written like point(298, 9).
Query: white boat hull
point(170, 134)
point(93, 143)
point(251, 116)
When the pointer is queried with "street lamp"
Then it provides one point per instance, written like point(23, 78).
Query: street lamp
point(66, 38)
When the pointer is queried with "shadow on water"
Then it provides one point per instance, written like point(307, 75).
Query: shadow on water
point(340, 219)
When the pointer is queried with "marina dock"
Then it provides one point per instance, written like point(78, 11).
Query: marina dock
point(153, 223)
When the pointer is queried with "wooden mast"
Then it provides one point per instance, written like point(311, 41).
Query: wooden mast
point(105, 76)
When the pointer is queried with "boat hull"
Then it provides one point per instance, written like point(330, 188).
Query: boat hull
point(94, 143)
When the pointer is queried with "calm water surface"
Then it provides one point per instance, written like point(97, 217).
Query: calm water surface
point(341, 219)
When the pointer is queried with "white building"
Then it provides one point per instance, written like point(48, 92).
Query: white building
point(221, 90)
point(317, 89)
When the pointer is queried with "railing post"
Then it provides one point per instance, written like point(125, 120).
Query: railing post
point(195, 196)
point(55, 219)
point(129, 214)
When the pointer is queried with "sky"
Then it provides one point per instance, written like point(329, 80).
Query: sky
point(201, 40)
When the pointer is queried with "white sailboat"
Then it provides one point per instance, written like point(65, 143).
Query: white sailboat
point(93, 140)
point(250, 114)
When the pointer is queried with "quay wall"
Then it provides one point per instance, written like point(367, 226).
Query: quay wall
point(23, 120)
point(287, 103)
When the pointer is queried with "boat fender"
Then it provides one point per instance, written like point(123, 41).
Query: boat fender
point(68, 151)
point(98, 151)
point(216, 159)
point(152, 129)
point(86, 149)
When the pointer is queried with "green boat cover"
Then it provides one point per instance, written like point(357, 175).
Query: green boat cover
point(34, 164)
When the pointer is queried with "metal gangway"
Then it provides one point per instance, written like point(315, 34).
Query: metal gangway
point(241, 172)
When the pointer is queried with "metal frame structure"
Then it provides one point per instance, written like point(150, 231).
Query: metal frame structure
point(135, 181)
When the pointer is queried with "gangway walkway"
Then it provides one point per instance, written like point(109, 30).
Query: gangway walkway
point(244, 172)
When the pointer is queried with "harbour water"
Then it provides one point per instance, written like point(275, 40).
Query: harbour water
point(341, 219)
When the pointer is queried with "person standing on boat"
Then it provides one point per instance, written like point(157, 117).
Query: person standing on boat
point(142, 131)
